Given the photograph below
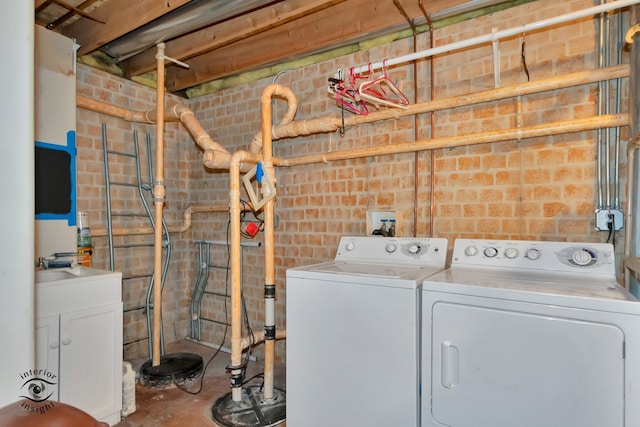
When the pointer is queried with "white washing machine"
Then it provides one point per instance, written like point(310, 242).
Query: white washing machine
point(353, 330)
point(530, 334)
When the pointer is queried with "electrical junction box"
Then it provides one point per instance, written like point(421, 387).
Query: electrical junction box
point(606, 216)
point(375, 220)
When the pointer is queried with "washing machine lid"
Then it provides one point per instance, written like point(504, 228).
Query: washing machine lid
point(374, 270)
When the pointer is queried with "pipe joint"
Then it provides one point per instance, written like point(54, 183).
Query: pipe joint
point(236, 380)
point(269, 333)
point(269, 291)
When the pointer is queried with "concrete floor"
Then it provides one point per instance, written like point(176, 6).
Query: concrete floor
point(172, 407)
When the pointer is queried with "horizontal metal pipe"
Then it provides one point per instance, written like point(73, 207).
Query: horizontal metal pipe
point(497, 35)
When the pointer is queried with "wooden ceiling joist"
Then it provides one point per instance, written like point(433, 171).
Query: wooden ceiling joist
point(122, 16)
point(228, 32)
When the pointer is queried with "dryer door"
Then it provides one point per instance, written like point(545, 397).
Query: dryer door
point(505, 368)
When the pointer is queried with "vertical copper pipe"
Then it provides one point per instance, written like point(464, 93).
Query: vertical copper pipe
point(416, 122)
point(159, 193)
point(432, 185)
point(416, 134)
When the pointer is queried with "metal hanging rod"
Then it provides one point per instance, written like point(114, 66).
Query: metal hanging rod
point(495, 35)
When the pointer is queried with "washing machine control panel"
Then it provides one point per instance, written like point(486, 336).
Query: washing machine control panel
point(411, 250)
point(554, 256)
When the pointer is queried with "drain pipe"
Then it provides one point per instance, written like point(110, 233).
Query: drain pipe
point(257, 142)
point(269, 245)
point(178, 112)
point(236, 366)
point(237, 343)
point(159, 193)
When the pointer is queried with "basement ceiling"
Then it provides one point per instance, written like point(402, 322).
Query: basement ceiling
point(222, 39)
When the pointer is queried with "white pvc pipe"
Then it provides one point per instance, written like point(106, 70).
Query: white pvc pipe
point(619, 4)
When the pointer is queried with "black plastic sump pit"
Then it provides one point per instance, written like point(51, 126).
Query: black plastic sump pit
point(253, 410)
point(176, 368)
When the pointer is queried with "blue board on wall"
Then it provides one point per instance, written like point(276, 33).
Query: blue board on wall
point(55, 179)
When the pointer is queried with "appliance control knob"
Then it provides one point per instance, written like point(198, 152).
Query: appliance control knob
point(414, 249)
point(490, 252)
point(470, 251)
point(511, 253)
point(350, 246)
point(582, 257)
point(533, 254)
point(390, 248)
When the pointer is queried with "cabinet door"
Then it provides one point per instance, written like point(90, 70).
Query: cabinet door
point(47, 349)
point(91, 359)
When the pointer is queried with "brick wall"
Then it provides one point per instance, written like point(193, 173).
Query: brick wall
point(539, 188)
point(133, 260)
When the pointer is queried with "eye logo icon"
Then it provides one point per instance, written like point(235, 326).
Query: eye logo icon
point(37, 389)
point(39, 385)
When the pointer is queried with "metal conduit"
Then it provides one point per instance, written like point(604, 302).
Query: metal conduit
point(632, 253)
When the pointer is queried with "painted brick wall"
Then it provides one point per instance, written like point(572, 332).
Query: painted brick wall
point(539, 188)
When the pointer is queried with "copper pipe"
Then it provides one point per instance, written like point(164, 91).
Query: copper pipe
point(416, 158)
point(432, 118)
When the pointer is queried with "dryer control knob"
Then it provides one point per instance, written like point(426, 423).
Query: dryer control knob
point(390, 248)
point(470, 251)
point(350, 246)
point(582, 257)
point(533, 254)
point(511, 253)
point(490, 252)
point(415, 248)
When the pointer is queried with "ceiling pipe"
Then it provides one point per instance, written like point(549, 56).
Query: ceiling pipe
point(498, 35)
point(190, 17)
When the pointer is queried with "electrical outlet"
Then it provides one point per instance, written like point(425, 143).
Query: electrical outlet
point(605, 216)
point(375, 220)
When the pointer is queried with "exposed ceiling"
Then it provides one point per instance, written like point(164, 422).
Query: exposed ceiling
point(227, 37)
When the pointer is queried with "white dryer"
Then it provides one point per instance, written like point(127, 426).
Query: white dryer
point(353, 330)
point(530, 334)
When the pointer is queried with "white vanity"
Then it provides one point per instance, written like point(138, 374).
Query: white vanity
point(79, 338)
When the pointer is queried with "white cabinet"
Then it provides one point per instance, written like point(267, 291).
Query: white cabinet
point(79, 338)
